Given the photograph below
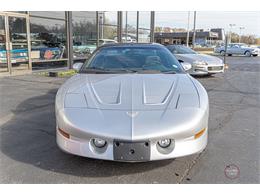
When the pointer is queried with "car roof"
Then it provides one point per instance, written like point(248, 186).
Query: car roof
point(178, 45)
point(141, 45)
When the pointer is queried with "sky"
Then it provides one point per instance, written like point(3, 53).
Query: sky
point(250, 21)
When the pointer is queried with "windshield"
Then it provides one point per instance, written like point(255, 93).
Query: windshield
point(132, 59)
point(179, 49)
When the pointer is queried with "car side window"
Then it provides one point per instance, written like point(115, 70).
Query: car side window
point(172, 50)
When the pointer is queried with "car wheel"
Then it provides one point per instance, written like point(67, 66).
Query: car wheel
point(247, 53)
point(229, 54)
point(222, 53)
point(255, 55)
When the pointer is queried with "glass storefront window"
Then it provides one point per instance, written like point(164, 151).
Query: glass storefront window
point(144, 27)
point(49, 64)
point(84, 33)
point(144, 19)
point(108, 26)
point(18, 42)
point(3, 56)
point(108, 18)
point(110, 32)
point(129, 27)
point(48, 39)
point(49, 14)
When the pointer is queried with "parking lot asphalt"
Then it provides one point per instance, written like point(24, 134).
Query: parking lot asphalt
point(29, 154)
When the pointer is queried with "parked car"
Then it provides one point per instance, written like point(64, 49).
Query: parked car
point(238, 49)
point(131, 102)
point(85, 50)
point(17, 56)
point(43, 51)
point(101, 41)
point(202, 64)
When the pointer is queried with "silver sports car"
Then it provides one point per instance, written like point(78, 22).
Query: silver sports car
point(132, 102)
point(202, 64)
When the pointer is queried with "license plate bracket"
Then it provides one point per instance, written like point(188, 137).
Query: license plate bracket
point(131, 151)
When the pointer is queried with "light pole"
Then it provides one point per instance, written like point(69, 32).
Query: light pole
point(188, 29)
point(240, 30)
point(194, 30)
point(126, 33)
point(230, 33)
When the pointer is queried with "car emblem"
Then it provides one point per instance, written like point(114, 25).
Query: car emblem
point(132, 114)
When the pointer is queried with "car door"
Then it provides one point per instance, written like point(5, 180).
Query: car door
point(236, 49)
point(229, 49)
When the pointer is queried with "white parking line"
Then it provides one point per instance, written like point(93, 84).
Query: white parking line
point(6, 118)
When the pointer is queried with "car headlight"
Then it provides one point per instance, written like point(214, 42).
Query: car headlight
point(201, 63)
point(99, 143)
point(164, 143)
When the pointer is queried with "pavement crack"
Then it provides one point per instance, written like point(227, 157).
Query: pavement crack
point(187, 171)
point(35, 81)
point(32, 108)
point(46, 132)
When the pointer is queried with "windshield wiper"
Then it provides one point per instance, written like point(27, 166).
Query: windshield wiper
point(98, 70)
point(169, 72)
point(94, 70)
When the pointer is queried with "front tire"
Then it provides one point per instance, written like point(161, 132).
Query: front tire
point(222, 52)
point(247, 53)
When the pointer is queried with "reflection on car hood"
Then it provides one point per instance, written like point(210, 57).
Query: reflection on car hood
point(132, 106)
point(132, 91)
point(199, 57)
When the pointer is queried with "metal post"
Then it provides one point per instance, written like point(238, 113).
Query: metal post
point(240, 30)
point(194, 30)
point(230, 33)
point(28, 40)
point(188, 30)
point(226, 43)
point(137, 26)
point(152, 27)
point(97, 28)
point(69, 34)
point(102, 25)
point(119, 26)
point(126, 27)
point(8, 49)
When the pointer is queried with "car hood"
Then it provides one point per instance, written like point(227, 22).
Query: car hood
point(131, 106)
point(199, 57)
point(131, 91)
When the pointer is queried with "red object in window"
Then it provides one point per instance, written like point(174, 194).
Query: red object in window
point(48, 54)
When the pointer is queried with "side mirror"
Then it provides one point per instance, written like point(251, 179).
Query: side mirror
point(77, 66)
point(187, 66)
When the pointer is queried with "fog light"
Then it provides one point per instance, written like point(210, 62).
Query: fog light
point(164, 143)
point(99, 143)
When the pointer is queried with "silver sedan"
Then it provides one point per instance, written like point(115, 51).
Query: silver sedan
point(201, 64)
point(132, 102)
point(238, 49)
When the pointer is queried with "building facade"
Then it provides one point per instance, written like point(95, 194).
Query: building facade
point(202, 38)
point(45, 39)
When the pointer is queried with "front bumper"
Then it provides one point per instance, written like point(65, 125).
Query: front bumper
point(83, 147)
point(255, 52)
point(207, 69)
